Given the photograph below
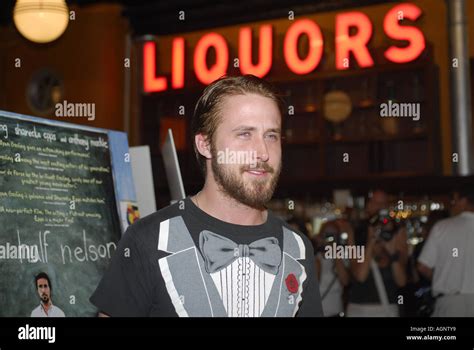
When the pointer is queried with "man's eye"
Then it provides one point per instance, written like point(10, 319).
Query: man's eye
point(273, 137)
point(244, 134)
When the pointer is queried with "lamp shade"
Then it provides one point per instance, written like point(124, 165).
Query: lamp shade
point(41, 21)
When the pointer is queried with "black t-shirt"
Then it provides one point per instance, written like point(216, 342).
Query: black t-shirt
point(181, 261)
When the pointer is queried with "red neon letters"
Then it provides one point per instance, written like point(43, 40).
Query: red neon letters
point(290, 46)
point(356, 43)
point(347, 41)
point(265, 49)
point(412, 34)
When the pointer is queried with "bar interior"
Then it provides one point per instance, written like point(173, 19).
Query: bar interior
point(377, 130)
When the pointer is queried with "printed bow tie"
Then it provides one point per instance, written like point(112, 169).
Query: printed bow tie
point(219, 252)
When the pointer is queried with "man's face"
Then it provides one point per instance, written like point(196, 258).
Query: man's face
point(246, 150)
point(43, 290)
point(458, 204)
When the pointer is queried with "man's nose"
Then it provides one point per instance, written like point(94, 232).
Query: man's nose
point(261, 150)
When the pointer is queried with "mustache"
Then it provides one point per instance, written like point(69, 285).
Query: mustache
point(259, 166)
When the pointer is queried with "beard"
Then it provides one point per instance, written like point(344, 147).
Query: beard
point(254, 193)
point(44, 299)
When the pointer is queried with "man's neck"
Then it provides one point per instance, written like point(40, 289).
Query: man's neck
point(215, 203)
point(46, 306)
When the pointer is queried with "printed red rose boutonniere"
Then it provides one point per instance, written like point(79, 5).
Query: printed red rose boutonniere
point(291, 283)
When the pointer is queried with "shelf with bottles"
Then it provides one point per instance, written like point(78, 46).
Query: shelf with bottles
point(369, 126)
point(407, 87)
point(382, 114)
point(301, 98)
point(407, 157)
point(301, 164)
point(301, 130)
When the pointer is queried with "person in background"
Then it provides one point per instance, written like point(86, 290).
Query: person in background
point(433, 218)
point(390, 257)
point(46, 307)
point(447, 258)
point(333, 274)
point(418, 299)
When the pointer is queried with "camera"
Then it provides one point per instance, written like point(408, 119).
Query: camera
point(385, 226)
point(329, 236)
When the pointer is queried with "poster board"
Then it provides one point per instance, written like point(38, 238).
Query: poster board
point(66, 196)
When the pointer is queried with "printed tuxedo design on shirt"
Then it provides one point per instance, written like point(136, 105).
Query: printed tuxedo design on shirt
point(224, 278)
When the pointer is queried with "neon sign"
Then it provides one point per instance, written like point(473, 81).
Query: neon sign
point(346, 43)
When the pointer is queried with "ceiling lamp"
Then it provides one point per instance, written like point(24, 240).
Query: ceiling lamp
point(41, 21)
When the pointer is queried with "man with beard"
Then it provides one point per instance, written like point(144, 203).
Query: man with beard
point(220, 252)
point(46, 307)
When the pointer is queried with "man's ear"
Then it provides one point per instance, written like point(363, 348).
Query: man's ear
point(203, 146)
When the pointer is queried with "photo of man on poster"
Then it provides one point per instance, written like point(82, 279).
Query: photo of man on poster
point(44, 290)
